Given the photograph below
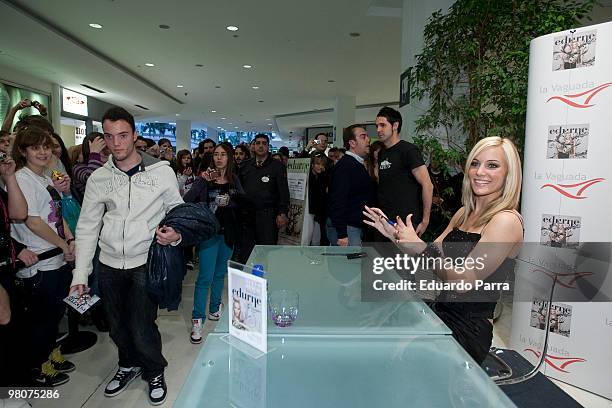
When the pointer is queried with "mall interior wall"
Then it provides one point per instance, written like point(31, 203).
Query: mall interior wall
point(415, 15)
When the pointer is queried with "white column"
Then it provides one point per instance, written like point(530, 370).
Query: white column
point(344, 116)
point(55, 110)
point(183, 135)
point(212, 133)
point(415, 15)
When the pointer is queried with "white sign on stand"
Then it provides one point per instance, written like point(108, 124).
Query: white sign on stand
point(247, 308)
point(298, 223)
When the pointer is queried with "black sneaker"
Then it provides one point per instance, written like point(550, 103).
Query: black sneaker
point(120, 381)
point(59, 362)
point(157, 390)
point(50, 377)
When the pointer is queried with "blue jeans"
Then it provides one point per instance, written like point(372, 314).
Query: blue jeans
point(354, 234)
point(214, 255)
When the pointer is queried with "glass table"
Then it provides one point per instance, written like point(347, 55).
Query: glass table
point(339, 371)
point(329, 288)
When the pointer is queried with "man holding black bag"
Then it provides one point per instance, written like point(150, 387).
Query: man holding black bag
point(130, 195)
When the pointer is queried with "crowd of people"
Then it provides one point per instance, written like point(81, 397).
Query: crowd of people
point(125, 185)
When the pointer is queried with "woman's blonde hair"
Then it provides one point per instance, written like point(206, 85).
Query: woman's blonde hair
point(511, 192)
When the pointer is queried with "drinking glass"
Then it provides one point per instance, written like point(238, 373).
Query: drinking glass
point(283, 305)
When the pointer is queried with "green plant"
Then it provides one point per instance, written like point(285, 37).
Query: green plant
point(473, 70)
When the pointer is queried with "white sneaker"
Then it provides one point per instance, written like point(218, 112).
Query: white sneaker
point(217, 315)
point(196, 331)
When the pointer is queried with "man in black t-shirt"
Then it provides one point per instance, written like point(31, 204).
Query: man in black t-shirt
point(404, 185)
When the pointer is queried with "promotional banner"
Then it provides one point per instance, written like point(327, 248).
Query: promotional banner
point(565, 203)
point(296, 228)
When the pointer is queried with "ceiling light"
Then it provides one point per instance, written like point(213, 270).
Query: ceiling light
point(354, 34)
point(260, 101)
point(331, 80)
point(255, 87)
point(217, 86)
point(218, 127)
point(95, 25)
point(178, 114)
point(247, 66)
point(157, 121)
point(230, 123)
point(223, 118)
point(199, 65)
point(232, 28)
point(213, 111)
point(235, 127)
point(149, 64)
point(164, 26)
point(180, 86)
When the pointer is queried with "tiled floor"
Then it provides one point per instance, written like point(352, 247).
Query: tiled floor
point(97, 365)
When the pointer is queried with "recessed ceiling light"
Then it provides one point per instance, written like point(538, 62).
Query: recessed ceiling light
point(149, 64)
point(223, 118)
point(235, 127)
point(232, 28)
point(178, 114)
point(95, 25)
point(180, 86)
point(354, 34)
point(217, 86)
point(157, 121)
point(331, 80)
point(164, 26)
point(255, 87)
point(218, 127)
point(213, 111)
point(230, 123)
point(260, 101)
point(199, 65)
point(247, 66)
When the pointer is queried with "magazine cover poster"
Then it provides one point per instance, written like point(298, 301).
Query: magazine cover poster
point(567, 141)
point(574, 50)
point(247, 308)
point(560, 317)
point(560, 231)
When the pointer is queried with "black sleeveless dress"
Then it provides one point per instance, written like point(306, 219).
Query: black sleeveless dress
point(467, 314)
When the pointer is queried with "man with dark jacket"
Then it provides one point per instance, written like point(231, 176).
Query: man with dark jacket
point(351, 189)
point(265, 183)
